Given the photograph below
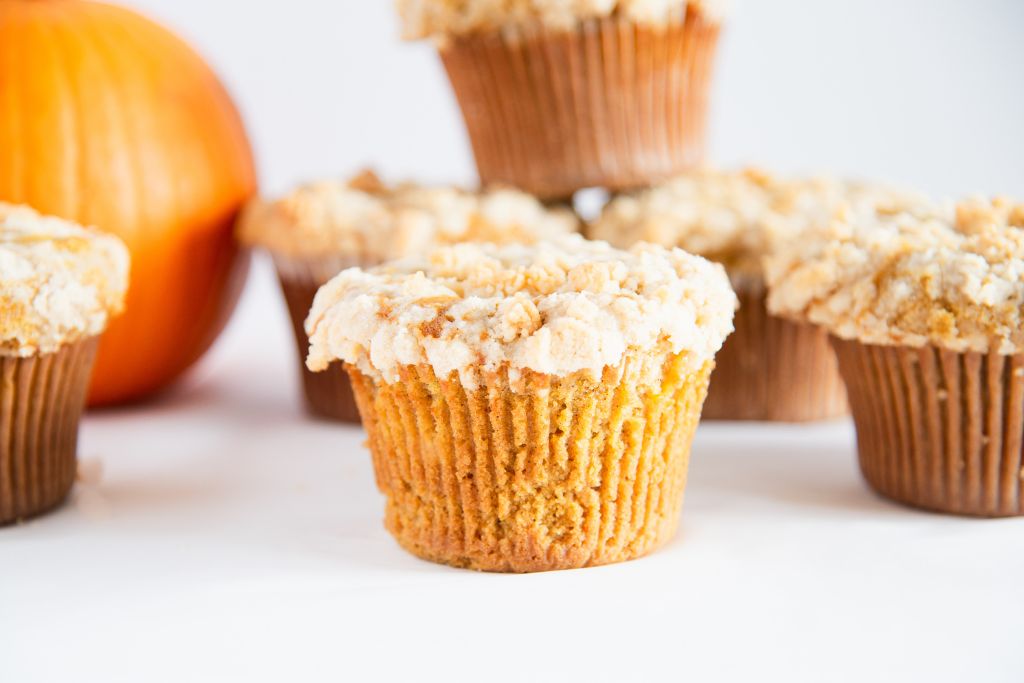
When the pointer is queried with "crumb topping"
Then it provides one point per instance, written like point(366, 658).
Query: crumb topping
point(951, 276)
point(736, 218)
point(441, 19)
point(59, 282)
point(367, 222)
point(555, 307)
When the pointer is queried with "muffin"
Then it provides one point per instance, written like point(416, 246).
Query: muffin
point(322, 228)
point(771, 369)
point(529, 408)
point(59, 285)
point(563, 96)
point(925, 310)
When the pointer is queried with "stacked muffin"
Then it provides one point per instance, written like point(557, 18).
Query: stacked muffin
point(59, 285)
point(559, 97)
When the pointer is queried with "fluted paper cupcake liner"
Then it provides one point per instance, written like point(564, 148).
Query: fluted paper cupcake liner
point(775, 370)
point(938, 429)
point(570, 472)
point(41, 401)
point(326, 394)
point(611, 103)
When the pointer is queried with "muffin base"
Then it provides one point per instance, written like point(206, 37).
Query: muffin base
point(937, 429)
point(326, 394)
point(609, 104)
point(561, 473)
point(41, 402)
point(774, 370)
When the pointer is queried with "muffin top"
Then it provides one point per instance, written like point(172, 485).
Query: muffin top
point(367, 222)
point(736, 218)
point(948, 276)
point(555, 308)
point(59, 282)
point(442, 19)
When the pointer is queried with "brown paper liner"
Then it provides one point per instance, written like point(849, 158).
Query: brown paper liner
point(774, 370)
point(611, 104)
point(937, 429)
point(562, 473)
point(327, 394)
point(41, 401)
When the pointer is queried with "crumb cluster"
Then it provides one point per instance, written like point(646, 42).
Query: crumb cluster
point(59, 282)
point(555, 308)
point(441, 19)
point(364, 221)
point(736, 218)
point(951, 276)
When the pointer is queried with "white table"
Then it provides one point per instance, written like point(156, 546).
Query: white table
point(229, 538)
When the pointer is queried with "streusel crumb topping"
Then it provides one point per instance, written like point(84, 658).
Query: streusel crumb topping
point(365, 221)
point(952, 277)
point(554, 307)
point(59, 282)
point(442, 19)
point(735, 218)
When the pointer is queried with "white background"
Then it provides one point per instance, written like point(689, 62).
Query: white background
point(230, 539)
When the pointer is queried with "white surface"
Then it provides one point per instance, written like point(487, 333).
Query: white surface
point(231, 539)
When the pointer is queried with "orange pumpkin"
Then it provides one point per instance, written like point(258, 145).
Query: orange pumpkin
point(108, 119)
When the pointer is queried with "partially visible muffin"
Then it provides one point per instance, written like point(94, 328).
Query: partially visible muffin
point(319, 229)
point(528, 407)
point(925, 309)
point(771, 369)
point(561, 96)
point(59, 285)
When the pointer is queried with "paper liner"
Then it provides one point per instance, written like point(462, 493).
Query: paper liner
point(327, 394)
point(41, 401)
point(937, 429)
point(610, 104)
point(562, 473)
point(774, 370)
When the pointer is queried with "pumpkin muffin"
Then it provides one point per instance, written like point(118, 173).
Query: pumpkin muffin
point(925, 311)
point(320, 229)
point(529, 408)
point(561, 96)
point(59, 285)
point(771, 369)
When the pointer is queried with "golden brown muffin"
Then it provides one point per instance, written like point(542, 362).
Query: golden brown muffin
point(529, 407)
point(925, 312)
